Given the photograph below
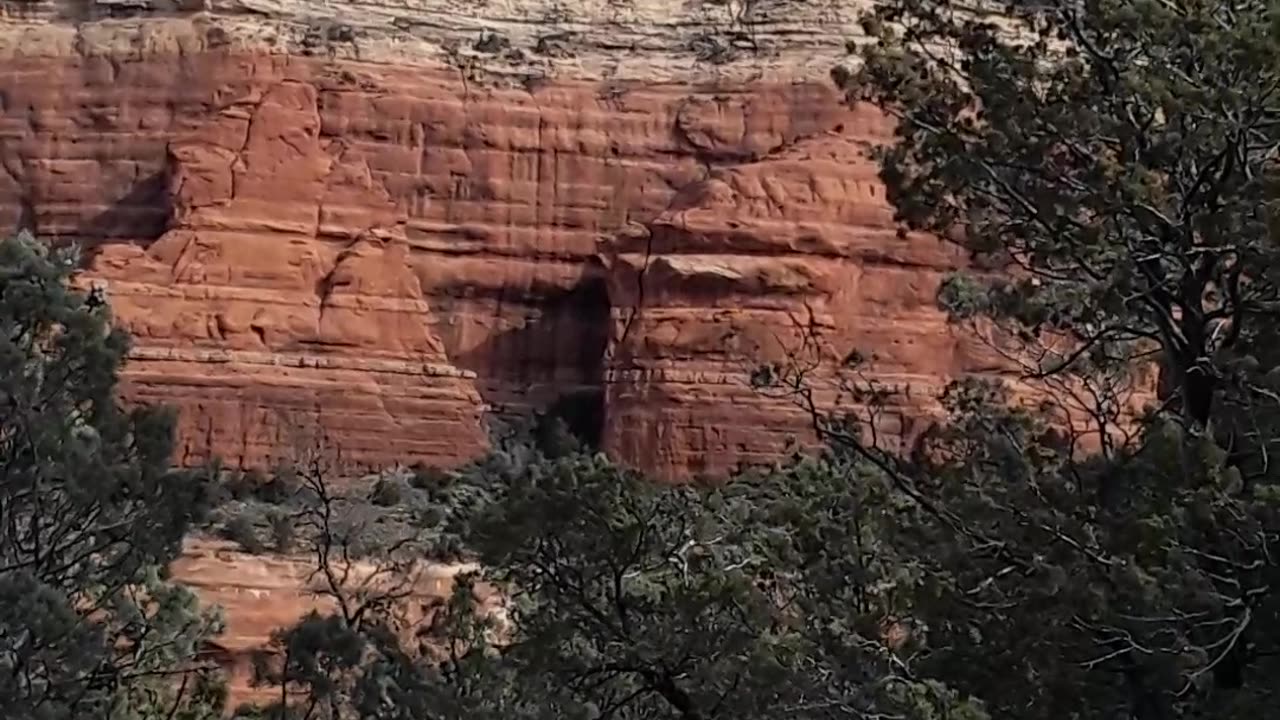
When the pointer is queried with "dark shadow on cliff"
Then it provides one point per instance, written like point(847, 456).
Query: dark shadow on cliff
point(552, 366)
point(140, 216)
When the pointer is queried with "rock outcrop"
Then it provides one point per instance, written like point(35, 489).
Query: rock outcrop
point(790, 255)
point(258, 594)
point(390, 222)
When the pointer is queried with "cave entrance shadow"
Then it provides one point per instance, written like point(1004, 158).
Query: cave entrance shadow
point(140, 217)
point(553, 365)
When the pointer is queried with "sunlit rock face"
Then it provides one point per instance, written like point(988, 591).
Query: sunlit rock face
point(259, 594)
point(391, 223)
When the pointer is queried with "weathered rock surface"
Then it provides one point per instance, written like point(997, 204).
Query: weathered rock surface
point(259, 594)
point(384, 222)
point(790, 255)
point(387, 222)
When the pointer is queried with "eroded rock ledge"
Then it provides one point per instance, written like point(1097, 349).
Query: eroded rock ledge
point(259, 594)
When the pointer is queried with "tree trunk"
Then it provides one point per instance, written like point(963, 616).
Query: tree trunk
point(1198, 386)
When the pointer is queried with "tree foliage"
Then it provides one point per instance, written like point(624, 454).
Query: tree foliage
point(1114, 158)
point(601, 594)
point(89, 516)
point(1111, 166)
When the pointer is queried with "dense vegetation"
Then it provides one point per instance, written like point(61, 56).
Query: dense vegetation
point(89, 517)
point(1110, 163)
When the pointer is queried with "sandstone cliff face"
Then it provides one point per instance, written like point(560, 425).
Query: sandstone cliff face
point(389, 222)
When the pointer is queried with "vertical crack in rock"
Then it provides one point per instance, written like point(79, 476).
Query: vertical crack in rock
point(640, 288)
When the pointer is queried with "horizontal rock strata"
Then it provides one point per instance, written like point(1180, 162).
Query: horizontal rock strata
point(392, 223)
point(260, 593)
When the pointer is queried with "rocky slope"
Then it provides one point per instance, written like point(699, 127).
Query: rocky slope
point(258, 594)
point(388, 221)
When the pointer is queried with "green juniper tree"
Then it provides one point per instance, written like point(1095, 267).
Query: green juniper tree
point(618, 597)
point(89, 516)
point(1115, 160)
point(1111, 166)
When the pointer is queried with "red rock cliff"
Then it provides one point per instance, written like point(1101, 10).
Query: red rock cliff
point(388, 222)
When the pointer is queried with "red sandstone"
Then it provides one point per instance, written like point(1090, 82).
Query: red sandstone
point(389, 254)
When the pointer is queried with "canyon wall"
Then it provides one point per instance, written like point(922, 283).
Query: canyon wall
point(393, 222)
